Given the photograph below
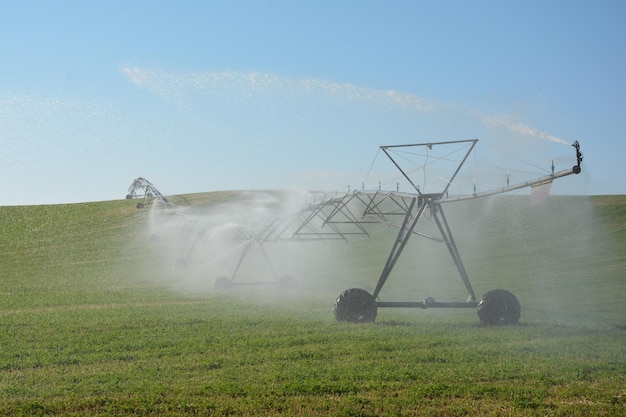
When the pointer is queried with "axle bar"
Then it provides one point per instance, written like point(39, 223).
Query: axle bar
point(427, 303)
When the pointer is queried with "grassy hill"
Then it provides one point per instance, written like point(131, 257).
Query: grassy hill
point(98, 319)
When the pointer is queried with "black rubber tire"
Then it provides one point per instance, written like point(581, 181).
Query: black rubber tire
point(355, 305)
point(288, 282)
point(139, 205)
point(498, 307)
point(223, 283)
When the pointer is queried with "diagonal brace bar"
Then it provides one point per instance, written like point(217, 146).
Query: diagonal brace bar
point(446, 234)
point(410, 220)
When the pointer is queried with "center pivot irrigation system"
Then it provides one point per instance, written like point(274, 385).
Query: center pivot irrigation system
point(142, 188)
point(496, 307)
point(353, 214)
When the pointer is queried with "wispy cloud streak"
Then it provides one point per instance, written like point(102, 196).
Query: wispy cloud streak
point(492, 122)
point(173, 84)
point(177, 86)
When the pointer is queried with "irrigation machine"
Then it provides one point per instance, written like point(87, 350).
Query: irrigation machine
point(496, 307)
point(348, 216)
point(146, 191)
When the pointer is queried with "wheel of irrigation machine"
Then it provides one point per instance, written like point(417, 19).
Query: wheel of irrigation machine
point(355, 305)
point(498, 307)
point(223, 283)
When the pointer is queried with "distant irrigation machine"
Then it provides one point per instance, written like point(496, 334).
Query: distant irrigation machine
point(343, 217)
point(144, 189)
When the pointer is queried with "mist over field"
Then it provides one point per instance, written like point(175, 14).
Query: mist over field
point(245, 238)
point(555, 257)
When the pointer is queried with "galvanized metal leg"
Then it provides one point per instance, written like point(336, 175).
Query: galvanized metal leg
point(410, 220)
point(446, 234)
point(245, 250)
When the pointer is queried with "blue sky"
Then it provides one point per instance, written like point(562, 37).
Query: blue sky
point(217, 95)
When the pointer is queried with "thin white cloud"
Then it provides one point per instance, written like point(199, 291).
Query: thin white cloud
point(493, 122)
point(178, 86)
point(172, 84)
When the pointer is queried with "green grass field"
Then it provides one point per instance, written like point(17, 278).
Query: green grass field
point(96, 319)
